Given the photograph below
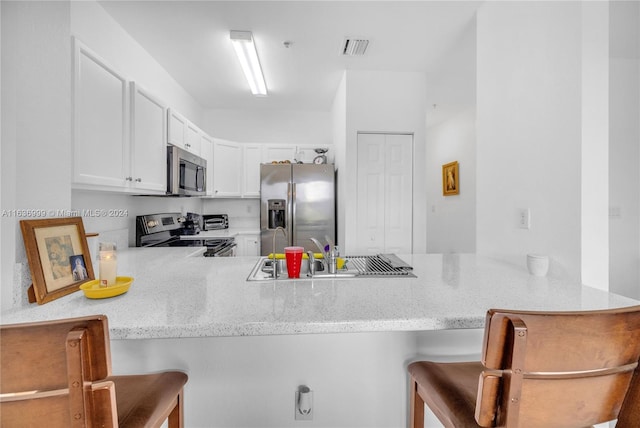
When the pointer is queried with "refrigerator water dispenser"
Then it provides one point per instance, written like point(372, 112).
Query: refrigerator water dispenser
point(277, 213)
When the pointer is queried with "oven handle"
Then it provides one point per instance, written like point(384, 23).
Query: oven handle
point(227, 251)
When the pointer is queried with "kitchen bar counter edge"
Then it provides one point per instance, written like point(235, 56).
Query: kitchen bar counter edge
point(178, 293)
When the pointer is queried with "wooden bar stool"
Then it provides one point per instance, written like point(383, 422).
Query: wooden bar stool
point(58, 374)
point(539, 369)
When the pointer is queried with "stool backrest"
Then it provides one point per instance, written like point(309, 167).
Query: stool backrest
point(52, 373)
point(559, 368)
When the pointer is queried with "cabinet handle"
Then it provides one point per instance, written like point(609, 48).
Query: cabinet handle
point(129, 178)
point(139, 180)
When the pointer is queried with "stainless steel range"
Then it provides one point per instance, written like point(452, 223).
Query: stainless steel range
point(172, 230)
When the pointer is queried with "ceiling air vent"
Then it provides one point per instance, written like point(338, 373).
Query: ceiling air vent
point(353, 46)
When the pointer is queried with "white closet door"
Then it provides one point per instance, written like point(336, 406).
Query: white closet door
point(384, 199)
point(398, 193)
point(371, 194)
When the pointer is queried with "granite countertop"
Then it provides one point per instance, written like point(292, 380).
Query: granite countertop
point(179, 293)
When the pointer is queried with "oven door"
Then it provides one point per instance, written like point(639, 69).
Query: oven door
point(222, 247)
point(229, 251)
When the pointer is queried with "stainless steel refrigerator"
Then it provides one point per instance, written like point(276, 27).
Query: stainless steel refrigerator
point(300, 198)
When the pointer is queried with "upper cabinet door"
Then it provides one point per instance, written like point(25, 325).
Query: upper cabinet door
point(148, 141)
point(251, 171)
point(227, 169)
point(192, 142)
point(100, 138)
point(206, 152)
point(177, 132)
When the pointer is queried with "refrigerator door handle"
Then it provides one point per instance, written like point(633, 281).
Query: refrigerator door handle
point(292, 213)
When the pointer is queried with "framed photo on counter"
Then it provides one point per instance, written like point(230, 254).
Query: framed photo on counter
point(58, 256)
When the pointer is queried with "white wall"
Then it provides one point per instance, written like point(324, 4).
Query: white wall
point(595, 144)
point(529, 131)
point(451, 220)
point(451, 136)
point(339, 129)
point(269, 126)
point(36, 126)
point(624, 138)
point(392, 102)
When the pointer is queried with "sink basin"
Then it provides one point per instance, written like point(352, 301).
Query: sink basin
point(368, 266)
point(263, 271)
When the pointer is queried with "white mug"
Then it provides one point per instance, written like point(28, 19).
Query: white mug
point(538, 264)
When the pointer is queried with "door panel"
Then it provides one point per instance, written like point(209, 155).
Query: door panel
point(275, 181)
point(399, 192)
point(314, 207)
point(384, 196)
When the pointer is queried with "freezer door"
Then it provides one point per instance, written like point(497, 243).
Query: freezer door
point(313, 206)
point(275, 206)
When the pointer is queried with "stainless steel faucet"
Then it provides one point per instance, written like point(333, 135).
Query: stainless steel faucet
point(312, 263)
point(273, 253)
point(329, 257)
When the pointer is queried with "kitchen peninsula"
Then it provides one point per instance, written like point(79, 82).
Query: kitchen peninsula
point(178, 293)
point(248, 345)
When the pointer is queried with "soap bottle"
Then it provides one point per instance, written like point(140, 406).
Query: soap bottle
point(333, 260)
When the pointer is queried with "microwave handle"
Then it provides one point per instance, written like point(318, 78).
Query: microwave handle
point(200, 176)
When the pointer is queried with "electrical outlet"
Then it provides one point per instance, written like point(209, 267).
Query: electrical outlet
point(303, 406)
point(524, 218)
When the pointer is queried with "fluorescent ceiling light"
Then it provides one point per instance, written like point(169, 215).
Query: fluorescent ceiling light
point(246, 50)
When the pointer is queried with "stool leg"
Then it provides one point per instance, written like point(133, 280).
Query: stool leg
point(416, 417)
point(176, 417)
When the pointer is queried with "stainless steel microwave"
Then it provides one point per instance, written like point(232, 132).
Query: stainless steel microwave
point(186, 173)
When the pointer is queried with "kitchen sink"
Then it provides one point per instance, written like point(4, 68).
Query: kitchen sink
point(377, 266)
point(263, 271)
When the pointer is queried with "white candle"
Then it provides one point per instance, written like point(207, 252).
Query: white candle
point(108, 264)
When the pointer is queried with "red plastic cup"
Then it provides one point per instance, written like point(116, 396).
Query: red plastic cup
point(294, 260)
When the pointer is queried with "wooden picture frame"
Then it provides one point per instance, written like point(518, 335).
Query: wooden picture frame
point(51, 246)
point(450, 179)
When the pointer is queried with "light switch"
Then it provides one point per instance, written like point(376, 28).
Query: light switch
point(524, 218)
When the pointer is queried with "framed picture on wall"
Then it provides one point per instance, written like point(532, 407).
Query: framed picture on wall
point(450, 179)
point(58, 257)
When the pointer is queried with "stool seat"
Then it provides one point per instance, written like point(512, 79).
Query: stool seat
point(145, 399)
point(434, 383)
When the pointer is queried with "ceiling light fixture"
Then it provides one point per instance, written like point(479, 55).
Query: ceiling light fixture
point(248, 56)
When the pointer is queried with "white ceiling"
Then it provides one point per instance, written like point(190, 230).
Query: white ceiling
point(190, 39)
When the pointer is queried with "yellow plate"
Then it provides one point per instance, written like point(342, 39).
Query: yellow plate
point(92, 289)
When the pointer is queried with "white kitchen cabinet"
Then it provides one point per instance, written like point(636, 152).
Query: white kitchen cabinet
point(148, 151)
point(252, 158)
point(177, 129)
point(101, 115)
point(192, 142)
point(206, 152)
point(248, 245)
point(119, 141)
point(227, 169)
point(183, 133)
